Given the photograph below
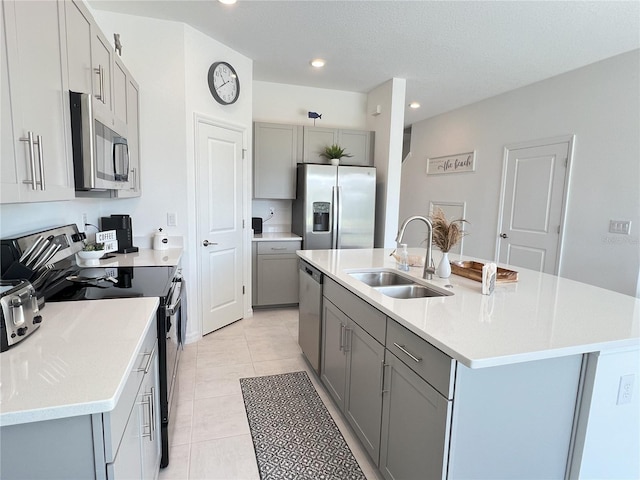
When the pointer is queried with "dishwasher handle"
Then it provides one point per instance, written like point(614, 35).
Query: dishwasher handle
point(307, 269)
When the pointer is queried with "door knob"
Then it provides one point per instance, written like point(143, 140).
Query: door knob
point(503, 235)
point(206, 243)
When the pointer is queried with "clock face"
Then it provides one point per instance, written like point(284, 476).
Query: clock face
point(223, 83)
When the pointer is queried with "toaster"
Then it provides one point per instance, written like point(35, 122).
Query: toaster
point(20, 312)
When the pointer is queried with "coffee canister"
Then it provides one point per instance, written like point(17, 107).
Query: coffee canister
point(160, 240)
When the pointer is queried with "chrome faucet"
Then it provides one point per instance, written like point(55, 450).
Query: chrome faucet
point(428, 271)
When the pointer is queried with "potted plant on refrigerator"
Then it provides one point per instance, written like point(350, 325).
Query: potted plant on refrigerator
point(334, 153)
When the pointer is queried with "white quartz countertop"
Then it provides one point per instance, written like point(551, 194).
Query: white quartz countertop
point(76, 363)
point(145, 257)
point(540, 316)
point(276, 237)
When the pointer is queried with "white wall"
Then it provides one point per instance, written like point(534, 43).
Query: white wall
point(597, 103)
point(170, 61)
point(389, 131)
point(283, 103)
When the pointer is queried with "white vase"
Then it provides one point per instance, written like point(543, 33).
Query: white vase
point(335, 161)
point(444, 267)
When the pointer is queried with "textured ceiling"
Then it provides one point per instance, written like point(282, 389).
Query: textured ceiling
point(451, 53)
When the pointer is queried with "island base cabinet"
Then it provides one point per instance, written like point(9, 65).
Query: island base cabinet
point(415, 426)
point(363, 398)
point(514, 421)
point(334, 361)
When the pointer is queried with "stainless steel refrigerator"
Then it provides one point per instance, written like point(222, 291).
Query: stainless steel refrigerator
point(334, 206)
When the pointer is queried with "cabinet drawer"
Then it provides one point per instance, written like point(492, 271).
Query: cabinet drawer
point(115, 421)
point(370, 319)
point(275, 248)
point(431, 364)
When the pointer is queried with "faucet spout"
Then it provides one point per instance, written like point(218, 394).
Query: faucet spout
point(428, 271)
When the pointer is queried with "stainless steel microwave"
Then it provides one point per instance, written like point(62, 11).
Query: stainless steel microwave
point(100, 153)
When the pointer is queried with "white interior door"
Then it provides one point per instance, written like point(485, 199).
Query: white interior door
point(220, 229)
point(533, 196)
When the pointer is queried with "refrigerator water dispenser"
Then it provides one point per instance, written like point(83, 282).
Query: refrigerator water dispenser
point(321, 216)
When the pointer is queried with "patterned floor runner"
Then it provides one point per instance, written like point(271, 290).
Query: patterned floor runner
point(293, 434)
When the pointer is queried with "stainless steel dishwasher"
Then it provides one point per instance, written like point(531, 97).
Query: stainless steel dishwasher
point(310, 314)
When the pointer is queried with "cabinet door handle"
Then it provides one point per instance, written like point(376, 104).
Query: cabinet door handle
point(32, 161)
point(100, 72)
point(150, 355)
point(341, 336)
point(40, 161)
point(403, 350)
point(152, 407)
point(148, 402)
point(382, 366)
point(347, 339)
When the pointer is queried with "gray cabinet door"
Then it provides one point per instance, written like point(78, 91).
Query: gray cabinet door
point(415, 426)
point(278, 279)
point(334, 357)
point(363, 399)
point(315, 141)
point(276, 150)
point(358, 144)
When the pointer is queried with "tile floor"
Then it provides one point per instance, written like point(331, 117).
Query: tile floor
point(210, 437)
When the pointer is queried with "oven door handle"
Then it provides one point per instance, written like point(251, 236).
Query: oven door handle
point(176, 293)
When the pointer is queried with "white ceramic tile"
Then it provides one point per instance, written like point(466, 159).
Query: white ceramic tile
point(221, 381)
point(285, 365)
point(178, 468)
point(221, 351)
point(266, 348)
point(180, 425)
point(230, 458)
point(219, 417)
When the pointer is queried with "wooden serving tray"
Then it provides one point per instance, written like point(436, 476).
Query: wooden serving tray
point(473, 270)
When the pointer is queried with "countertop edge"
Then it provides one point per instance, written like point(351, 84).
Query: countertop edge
point(465, 360)
point(103, 405)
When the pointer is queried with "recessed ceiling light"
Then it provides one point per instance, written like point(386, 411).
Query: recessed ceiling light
point(227, 2)
point(318, 63)
point(414, 105)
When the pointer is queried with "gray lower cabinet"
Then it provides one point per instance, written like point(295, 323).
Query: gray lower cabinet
point(275, 273)
point(415, 425)
point(123, 443)
point(422, 415)
point(352, 363)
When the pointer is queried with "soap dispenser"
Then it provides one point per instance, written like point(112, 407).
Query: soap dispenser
point(403, 261)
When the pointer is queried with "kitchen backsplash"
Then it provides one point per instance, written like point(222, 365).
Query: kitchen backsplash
point(281, 219)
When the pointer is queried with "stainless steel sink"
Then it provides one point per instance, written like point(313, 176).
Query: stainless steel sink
point(381, 279)
point(412, 291)
point(395, 285)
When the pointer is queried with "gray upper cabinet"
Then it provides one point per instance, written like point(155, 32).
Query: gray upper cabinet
point(358, 143)
point(315, 140)
point(36, 161)
point(276, 150)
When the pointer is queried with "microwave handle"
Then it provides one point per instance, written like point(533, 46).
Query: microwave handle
point(120, 143)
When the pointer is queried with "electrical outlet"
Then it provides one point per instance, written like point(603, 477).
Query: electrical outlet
point(272, 211)
point(625, 390)
point(620, 226)
point(172, 219)
point(83, 223)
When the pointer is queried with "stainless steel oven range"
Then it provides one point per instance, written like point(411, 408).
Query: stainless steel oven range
point(66, 281)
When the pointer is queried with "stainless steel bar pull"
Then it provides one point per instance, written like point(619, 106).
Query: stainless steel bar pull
point(405, 351)
point(32, 161)
point(41, 161)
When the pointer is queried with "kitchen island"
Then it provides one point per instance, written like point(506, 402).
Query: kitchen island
point(537, 380)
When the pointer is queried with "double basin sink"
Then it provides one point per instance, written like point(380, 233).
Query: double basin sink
point(396, 285)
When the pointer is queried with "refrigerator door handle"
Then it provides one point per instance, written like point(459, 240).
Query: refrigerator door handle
point(334, 214)
point(338, 217)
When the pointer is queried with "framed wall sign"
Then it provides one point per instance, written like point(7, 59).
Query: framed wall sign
point(461, 162)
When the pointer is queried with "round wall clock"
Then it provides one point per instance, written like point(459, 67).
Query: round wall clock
point(223, 83)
